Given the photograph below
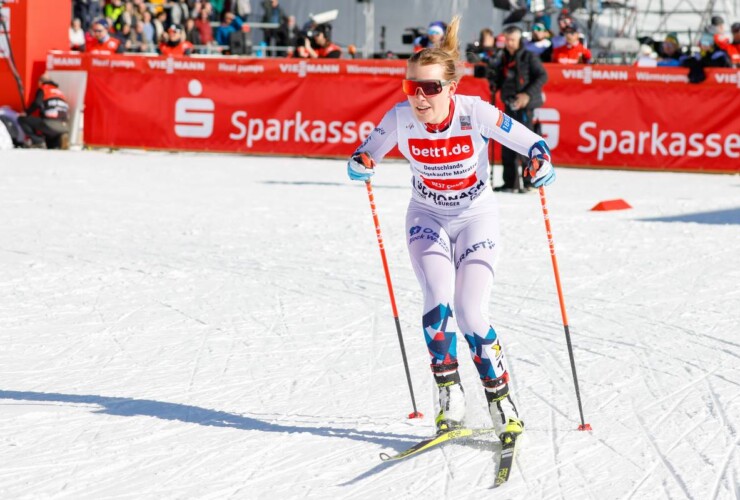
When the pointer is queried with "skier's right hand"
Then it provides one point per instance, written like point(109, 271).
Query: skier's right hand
point(361, 167)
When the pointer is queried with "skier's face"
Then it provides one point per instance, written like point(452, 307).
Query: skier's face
point(430, 108)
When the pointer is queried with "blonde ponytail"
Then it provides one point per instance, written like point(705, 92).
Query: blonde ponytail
point(447, 55)
point(450, 43)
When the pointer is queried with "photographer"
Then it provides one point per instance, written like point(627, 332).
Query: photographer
point(318, 44)
point(520, 76)
point(289, 35)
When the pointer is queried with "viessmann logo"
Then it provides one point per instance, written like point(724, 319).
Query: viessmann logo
point(589, 74)
point(194, 115)
point(303, 68)
point(441, 150)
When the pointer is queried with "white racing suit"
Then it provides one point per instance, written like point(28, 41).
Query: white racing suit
point(452, 225)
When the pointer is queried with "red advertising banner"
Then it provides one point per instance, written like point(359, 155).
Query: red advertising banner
point(250, 106)
point(651, 119)
point(594, 116)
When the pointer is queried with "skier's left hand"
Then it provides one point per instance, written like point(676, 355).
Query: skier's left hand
point(361, 167)
point(540, 170)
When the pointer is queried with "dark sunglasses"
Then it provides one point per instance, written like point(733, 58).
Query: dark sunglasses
point(98, 31)
point(428, 87)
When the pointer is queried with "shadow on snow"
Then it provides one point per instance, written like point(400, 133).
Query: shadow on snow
point(729, 216)
point(128, 407)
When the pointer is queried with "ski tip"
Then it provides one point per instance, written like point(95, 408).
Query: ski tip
point(416, 414)
point(385, 457)
point(585, 427)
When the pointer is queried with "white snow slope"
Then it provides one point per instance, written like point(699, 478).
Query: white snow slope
point(214, 326)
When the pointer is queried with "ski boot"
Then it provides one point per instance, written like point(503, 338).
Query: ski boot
point(503, 411)
point(451, 401)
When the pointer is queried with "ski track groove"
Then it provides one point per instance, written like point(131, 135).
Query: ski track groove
point(669, 411)
point(661, 457)
point(680, 390)
point(554, 449)
point(649, 472)
point(720, 408)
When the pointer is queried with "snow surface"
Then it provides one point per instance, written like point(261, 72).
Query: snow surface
point(216, 326)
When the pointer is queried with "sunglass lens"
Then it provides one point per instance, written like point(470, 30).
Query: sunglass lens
point(427, 88)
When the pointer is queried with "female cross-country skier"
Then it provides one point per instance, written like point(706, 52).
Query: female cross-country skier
point(452, 222)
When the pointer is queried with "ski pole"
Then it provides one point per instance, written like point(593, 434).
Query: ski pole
point(371, 197)
point(584, 426)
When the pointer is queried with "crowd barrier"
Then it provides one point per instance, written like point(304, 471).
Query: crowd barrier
point(594, 116)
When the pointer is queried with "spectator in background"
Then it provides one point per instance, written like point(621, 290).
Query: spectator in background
point(174, 11)
point(670, 53)
point(77, 35)
point(174, 45)
point(124, 36)
point(203, 25)
point(433, 38)
point(318, 43)
point(519, 75)
point(127, 16)
point(484, 49)
point(230, 24)
point(51, 126)
point(711, 55)
point(150, 34)
point(142, 43)
point(113, 11)
point(573, 52)
point(564, 22)
point(540, 43)
point(159, 23)
point(139, 9)
point(185, 7)
point(242, 8)
point(718, 29)
point(199, 7)
point(102, 43)
point(289, 35)
point(192, 35)
point(272, 13)
point(81, 11)
point(734, 48)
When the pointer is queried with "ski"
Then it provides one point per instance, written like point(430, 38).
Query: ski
point(506, 458)
point(436, 440)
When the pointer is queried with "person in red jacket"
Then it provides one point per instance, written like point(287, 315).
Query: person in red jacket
point(573, 52)
point(175, 45)
point(102, 43)
point(51, 126)
point(733, 49)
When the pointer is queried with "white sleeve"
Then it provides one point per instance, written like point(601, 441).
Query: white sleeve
point(382, 139)
point(496, 125)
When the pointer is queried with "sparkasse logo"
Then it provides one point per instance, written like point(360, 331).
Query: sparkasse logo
point(194, 115)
